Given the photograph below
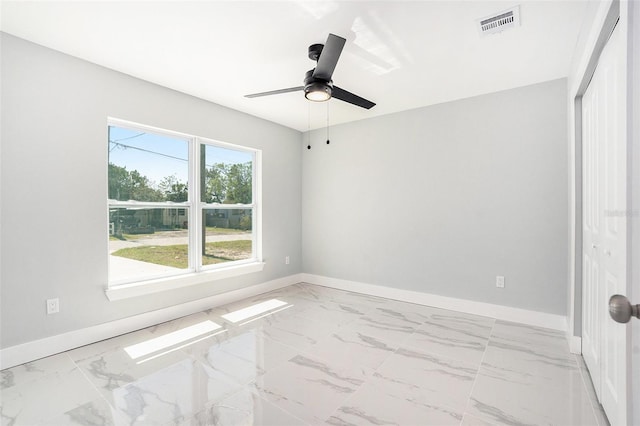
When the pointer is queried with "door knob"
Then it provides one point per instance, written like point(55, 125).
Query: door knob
point(594, 246)
point(621, 310)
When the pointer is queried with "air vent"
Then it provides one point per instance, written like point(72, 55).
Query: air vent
point(499, 22)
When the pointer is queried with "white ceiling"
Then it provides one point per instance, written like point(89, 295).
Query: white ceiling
point(401, 55)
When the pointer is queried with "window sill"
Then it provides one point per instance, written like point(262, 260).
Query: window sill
point(144, 288)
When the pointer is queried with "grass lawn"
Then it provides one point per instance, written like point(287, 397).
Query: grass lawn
point(177, 255)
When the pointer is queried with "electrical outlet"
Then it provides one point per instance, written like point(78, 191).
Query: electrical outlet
point(500, 281)
point(53, 306)
point(286, 260)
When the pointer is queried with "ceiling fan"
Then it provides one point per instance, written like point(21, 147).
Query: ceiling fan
point(318, 86)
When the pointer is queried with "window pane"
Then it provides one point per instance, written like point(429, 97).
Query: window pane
point(146, 166)
point(145, 242)
point(227, 235)
point(226, 175)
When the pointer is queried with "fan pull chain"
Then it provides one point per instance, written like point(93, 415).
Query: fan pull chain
point(309, 125)
point(327, 123)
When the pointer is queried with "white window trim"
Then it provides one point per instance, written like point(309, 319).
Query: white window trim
point(198, 273)
point(143, 288)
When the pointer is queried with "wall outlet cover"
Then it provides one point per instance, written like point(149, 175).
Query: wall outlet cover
point(53, 306)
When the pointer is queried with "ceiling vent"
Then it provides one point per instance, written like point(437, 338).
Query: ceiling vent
point(499, 22)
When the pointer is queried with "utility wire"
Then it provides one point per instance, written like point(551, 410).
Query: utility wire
point(146, 150)
point(129, 137)
point(125, 146)
point(124, 139)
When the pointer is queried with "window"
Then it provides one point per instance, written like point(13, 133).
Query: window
point(178, 205)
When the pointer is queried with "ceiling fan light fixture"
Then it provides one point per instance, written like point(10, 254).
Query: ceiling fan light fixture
point(317, 92)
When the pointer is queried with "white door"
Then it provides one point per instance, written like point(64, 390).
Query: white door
point(592, 315)
point(605, 227)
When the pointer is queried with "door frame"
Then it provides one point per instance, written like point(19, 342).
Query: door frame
point(633, 132)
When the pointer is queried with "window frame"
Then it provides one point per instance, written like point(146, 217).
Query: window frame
point(196, 273)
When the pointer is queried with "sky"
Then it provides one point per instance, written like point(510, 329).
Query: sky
point(156, 156)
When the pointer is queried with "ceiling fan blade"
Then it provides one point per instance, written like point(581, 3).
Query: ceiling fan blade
point(343, 95)
point(275, 92)
point(329, 57)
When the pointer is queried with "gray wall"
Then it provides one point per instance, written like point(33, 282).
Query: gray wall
point(54, 187)
point(444, 198)
point(438, 200)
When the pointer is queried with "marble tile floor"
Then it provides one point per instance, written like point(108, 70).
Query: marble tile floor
point(310, 355)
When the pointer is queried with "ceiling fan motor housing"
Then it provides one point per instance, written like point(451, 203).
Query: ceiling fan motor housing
point(314, 51)
point(313, 84)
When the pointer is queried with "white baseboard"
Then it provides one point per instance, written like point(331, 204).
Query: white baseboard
point(540, 319)
point(575, 344)
point(30, 351)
